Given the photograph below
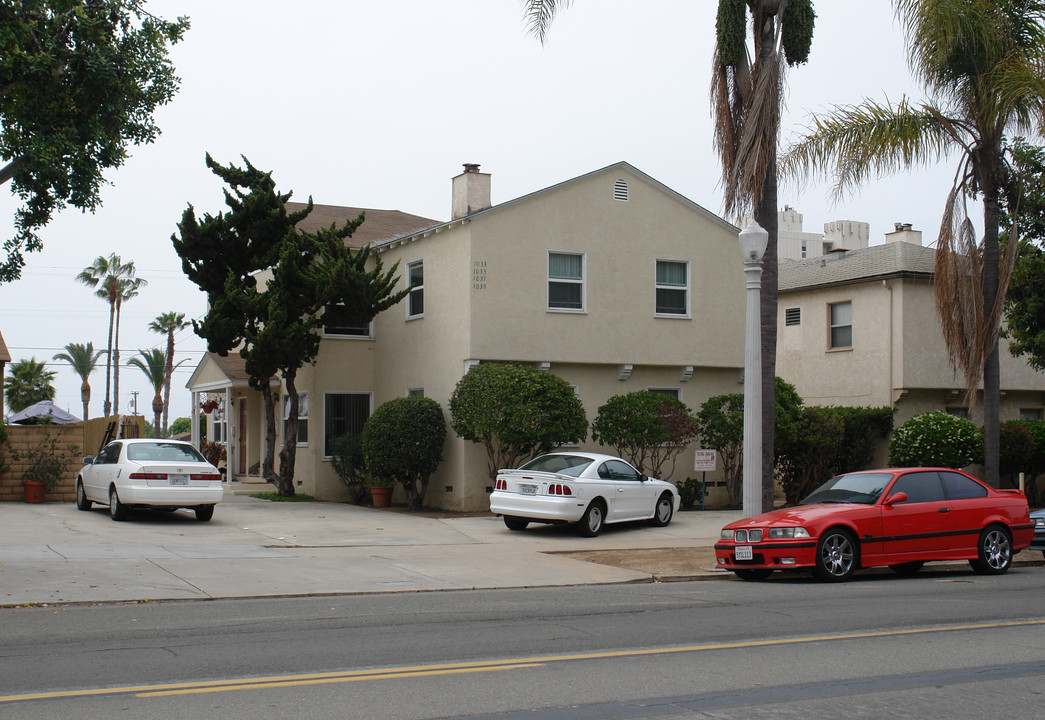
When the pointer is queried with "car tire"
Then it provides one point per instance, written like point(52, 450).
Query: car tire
point(836, 556)
point(663, 510)
point(117, 510)
point(753, 574)
point(994, 549)
point(82, 503)
point(515, 523)
point(204, 512)
point(591, 521)
point(907, 568)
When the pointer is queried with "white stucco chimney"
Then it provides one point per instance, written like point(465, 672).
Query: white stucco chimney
point(471, 192)
point(904, 233)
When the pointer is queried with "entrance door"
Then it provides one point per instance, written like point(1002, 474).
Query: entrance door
point(241, 432)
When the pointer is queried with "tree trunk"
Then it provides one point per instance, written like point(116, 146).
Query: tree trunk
point(168, 370)
point(85, 398)
point(268, 460)
point(991, 365)
point(157, 413)
point(108, 362)
point(116, 361)
point(288, 454)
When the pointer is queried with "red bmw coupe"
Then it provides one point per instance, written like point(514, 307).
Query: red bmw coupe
point(900, 517)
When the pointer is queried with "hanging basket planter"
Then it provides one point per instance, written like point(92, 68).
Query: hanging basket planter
point(209, 406)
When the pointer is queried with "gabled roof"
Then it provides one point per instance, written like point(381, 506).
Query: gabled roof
point(5, 355)
point(379, 225)
point(440, 227)
point(895, 259)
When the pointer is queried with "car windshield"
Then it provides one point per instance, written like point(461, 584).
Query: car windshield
point(863, 488)
point(163, 452)
point(563, 464)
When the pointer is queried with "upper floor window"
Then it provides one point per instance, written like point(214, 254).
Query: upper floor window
point(415, 277)
point(565, 281)
point(302, 417)
point(337, 320)
point(672, 287)
point(841, 325)
point(620, 190)
point(804, 249)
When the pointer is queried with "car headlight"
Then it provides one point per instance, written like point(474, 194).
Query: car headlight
point(788, 532)
point(726, 534)
point(1039, 523)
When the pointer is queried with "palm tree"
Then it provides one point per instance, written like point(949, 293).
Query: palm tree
point(168, 324)
point(29, 383)
point(126, 288)
point(746, 99)
point(983, 66)
point(83, 358)
point(153, 363)
point(106, 275)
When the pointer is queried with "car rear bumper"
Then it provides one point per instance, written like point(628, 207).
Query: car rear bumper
point(536, 507)
point(171, 496)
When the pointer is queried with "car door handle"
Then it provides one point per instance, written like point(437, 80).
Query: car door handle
point(943, 510)
point(620, 489)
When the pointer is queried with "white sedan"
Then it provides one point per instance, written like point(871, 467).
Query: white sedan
point(147, 473)
point(589, 489)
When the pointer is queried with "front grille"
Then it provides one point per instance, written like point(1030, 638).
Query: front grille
point(748, 536)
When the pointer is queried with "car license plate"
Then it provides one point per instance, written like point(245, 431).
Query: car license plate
point(528, 489)
point(179, 479)
point(744, 553)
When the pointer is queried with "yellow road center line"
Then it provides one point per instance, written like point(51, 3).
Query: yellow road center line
point(461, 668)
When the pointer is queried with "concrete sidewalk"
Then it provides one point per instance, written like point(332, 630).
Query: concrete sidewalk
point(53, 553)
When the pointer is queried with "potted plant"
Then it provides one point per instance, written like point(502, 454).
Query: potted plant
point(47, 465)
point(380, 491)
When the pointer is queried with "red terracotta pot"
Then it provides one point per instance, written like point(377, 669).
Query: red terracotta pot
point(34, 491)
point(381, 496)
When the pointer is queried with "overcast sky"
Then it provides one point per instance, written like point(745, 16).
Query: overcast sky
point(379, 104)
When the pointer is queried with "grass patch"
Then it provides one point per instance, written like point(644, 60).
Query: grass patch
point(276, 497)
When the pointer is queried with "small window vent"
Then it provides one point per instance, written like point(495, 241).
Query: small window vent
point(620, 190)
point(793, 316)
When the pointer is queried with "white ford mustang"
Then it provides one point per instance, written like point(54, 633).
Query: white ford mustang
point(589, 489)
point(163, 474)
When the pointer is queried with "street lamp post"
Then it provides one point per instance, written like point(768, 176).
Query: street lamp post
point(753, 241)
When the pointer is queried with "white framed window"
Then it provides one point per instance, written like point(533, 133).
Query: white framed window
point(302, 417)
point(415, 391)
point(344, 413)
point(566, 281)
point(415, 277)
point(841, 320)
point(672, 392)
point(338, 322)
point(672, 288)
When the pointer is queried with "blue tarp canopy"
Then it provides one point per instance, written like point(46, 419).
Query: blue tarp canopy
point(42, 409)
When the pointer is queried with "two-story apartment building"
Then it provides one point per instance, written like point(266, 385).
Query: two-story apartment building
point(610, 280)
point(860, 328)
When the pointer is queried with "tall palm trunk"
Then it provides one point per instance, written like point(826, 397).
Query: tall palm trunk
point(766, 216)
point(157, 413)
point(85, 397)
point(168, 370)
point(991, 365)
point(116, 361)
point(108, 361)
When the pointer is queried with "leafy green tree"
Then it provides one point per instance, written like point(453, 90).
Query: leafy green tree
point(167, 324)
point(936, 439)
point(647, 428)
point(808, 458)
point(515, 412)
point(114, 282)
point(84, 359)
point(28, 383)
point(865, 428)
point(1023, 209)
point(1018, 448)
point(180, 425)
point(277, 329)
point(403, 442)
point(153, 363)
point(79, 83)
point(981, 63)
point(720, 422)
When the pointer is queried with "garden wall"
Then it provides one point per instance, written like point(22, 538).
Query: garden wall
point(20, 438)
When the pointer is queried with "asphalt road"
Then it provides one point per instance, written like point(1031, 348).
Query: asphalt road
point(942, 644)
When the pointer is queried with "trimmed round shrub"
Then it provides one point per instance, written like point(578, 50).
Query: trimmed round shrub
point(403, 442)
point(936, 439)
point(647, 428)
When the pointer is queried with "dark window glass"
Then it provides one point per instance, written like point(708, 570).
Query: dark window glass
point(343, 414)
point(959, 487)
point(919, 486)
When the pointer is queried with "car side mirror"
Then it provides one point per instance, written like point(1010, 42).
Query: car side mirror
point(643, 478)
point(900, 497)
point(89, 460)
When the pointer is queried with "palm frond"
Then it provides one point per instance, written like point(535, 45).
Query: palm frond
point(540, 14)
point(756, 149)
point(855, 143)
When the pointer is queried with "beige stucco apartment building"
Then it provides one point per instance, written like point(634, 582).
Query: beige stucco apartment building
point(860, 328)
point(610, 280)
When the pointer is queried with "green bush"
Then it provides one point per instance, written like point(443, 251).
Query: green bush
point(1037, 462)
point(348, 463)
point(403, 442)
point(647, 428)
point(808, 455)
point(865, 428)
point(691, 491)
point(515, 412)
point(1017, 449)
point(48, 462)
point(720, 422)
point(936, 439)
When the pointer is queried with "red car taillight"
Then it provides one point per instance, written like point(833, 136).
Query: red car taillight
point(560, 490)
point(501, 484)
point(147, 476)
point(205, 476)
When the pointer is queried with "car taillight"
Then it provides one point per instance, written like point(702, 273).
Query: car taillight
point(559, 490)
point(501, 484)
point(205, 476)
point(147, 476)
